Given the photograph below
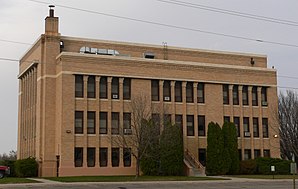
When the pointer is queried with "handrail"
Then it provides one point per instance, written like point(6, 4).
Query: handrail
point(192, 158)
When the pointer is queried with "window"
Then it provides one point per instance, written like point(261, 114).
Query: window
point(178, 91)
point(237, 125)
point(156, 119)
point(115, 123)
point(179, 122)
point(240, 154)
point(227, 119)
point(103, 157)
point(167, 90)
point(265, 127)
point(155, 90)
point(103, 93)
point(201, 125)
point(202, 156)
point(126, 89)
point(247, 154)
point(189, 92)
point(246, 127)
point(126, 157)
point(266, 153)
point(115, 88)
point(115, 157)
point(264, 96)
point(225, 92)
point(190, 125)
point(90, 157)
point(79, 122)
point(127, 123)
point(201, 93)
point(254, 96)
point(235, 95)
point(90, 122)
point(256, 126)
point(91, 87)
point(103, 122)
point(257, 153)
point(79, 86)
point(245, 95)
point(167, 119)
point(78, 157)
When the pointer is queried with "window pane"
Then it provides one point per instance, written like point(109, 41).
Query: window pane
point(227, 119)
point(264, 96)
point(103, 88)
point(91, 122)
point(266, 153)
point(115, 88)
point(91, 87)
point(126, 157)
point(246, 127)
point(115, 123)
point(190, 125)
point(201, 98)
point(235, 95)
point(103, 119)
point(126, 89)
point(189, 92)
point(256, 126)
point(257, 153)
point(79, 115)
point(201, 125)
point(167, 91)
point(245, 95)
point(265, 127)
point(178, 91)
point(225, 91)
point(103, 157)
point(115, 157)
point(247, 154)
point(79, 86)
point(127, 124)
point(254, 96)
point(78, 157)
point(202, 156)
point(155, 90)
point(179, 122)
point(237, 125)
point(90, 157)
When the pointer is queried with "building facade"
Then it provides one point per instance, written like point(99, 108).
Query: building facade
point(75, 94)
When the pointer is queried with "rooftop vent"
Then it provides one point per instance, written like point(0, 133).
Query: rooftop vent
point(88, 50)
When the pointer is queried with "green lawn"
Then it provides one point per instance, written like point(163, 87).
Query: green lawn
point(15, 180)
point(266, 176)
point(128, 178)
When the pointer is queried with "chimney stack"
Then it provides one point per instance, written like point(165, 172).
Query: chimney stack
point(51, 10)
point(52, 23)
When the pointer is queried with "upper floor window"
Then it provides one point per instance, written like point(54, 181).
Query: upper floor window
point(155, 90)
point(79, 122)
point(115, 123)
point(91, 122)
point(246, 127)
point(167, 90)
point(189, 92)
point(115, 88)
point(79, 86)
point(264, 96)
point(126, 89)
point(190, 125)
point(225, 92)
point(235, 95)
point(103, 122)
point(103, 88)
point(245, 95)
point(201, 93)
point(91, 87)
point(265, 128)
point(201, 125)
point(256, 126)
point(178, 91)
point(127, 123)
point(254, 96)
point(237, 125)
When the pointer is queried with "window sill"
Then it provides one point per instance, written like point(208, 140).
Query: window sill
point(79, 135)
point(91, 135)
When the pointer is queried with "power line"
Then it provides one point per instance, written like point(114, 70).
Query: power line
point(9, 59)
point(173, 26)
point(16, 42)
point(231, 12)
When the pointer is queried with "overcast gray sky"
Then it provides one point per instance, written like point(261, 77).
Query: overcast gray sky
point(23, 21)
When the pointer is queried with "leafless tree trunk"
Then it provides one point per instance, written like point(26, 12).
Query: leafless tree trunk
point(288, 120)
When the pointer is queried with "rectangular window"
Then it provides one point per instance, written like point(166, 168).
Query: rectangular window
point(90, 157)
point(90, 122)
point(91, 87)
point(246, 127)
point(115, 157)
point(265, 127)
point(245, 95)
point(127, 124)
point(202, 156)
point(201, 125)
point(78, 157)
point(115, 88)
point(227, 119)
point(79, 86)
point(189, 92)
point(201, 93)
point(235, 95)
point(256, 126)
point(103, 92)
point(126, 89)
point(264, 96)
point(103, 122)
point(240, 154)
point(237, 125)
point(257, 153)
point(155, 90)
point(254, 96)
point(179, 122)
point(267, 153)
point(190, 125)
point(167, 90)
point(156, 119)
point(167, 119)
point(126, 157)
point(115, 123)
point(103, 157)
point(79, 122)
point(178, 91)
point(225, 92)
point(247, 154)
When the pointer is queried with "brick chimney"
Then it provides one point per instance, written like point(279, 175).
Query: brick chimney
point(52, 23)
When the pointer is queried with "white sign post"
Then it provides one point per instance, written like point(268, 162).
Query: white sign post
point(272, 170)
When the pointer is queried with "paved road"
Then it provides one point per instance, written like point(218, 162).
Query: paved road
point(227, 184)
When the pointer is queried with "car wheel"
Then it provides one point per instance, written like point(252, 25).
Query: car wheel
point(1, 174)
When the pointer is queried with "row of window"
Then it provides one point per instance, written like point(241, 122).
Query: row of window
point(246, 128)
point(245, 95)
point(103, 87)
point(103, 157)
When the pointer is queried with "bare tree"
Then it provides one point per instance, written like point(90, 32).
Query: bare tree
point(11, 156)
point(288, 121)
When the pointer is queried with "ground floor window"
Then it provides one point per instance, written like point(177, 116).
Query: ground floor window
point(90, 157)
point(127, 157)
point(78, 157)
point(115, 157)
point(247, 154)
point(202, 156)
point(103, 157)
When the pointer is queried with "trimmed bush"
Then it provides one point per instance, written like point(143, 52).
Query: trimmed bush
point(26, 167)
point(248, 167)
